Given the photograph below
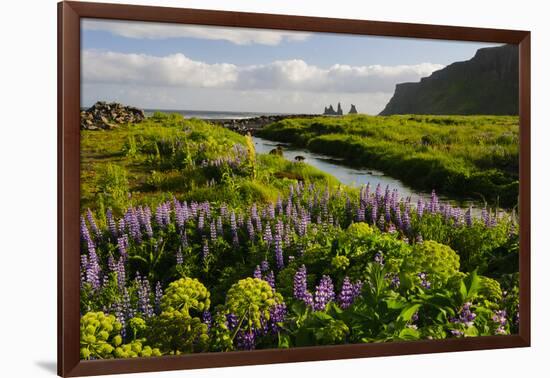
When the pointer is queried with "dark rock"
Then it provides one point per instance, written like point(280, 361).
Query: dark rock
point(339, 111)
point(277, 151)
point(486, 84)
point(353, 109)
point(299, 158)
point(107, 116)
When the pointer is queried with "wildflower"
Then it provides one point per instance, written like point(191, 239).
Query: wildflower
point(324, 293)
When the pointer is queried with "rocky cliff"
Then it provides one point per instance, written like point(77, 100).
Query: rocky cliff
point(486, 84)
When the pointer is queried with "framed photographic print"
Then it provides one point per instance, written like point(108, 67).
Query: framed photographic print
point(239, 188)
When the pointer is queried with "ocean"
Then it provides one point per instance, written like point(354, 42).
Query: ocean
point(208, 114)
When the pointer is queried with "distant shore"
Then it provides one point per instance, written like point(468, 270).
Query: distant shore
point(251, 125)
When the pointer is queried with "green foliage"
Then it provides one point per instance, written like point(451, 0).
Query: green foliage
point(490, 290)
point(99, 335)
point(184, 295)
point(136, 349)
point(112, 186)
point(176, 332)
point(439, 261)
point(169, 157)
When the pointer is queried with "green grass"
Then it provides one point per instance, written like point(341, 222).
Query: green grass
point(162, 157)
point(468, 156)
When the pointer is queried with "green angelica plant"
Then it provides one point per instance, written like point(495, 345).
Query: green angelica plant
point(184, 295)
point(251, 299)
point(176, 332)
point(99, 335)
point(437, 260)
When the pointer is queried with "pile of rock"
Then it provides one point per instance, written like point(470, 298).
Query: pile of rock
point(105, 116)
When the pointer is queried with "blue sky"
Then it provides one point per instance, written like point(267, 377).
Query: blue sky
point(210, 68)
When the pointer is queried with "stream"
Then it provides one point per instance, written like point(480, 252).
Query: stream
point(354, 176)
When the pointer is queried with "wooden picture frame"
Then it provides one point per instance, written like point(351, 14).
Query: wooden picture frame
point(69, 16)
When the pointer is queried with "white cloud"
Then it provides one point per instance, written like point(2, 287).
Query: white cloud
point(177, 70)
point(152, 30)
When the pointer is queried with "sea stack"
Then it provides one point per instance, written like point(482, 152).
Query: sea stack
point(353, 109)
point(339, 111)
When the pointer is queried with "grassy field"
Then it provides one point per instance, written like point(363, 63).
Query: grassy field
point(168, 156)
point(467, 156)
point(191, 242)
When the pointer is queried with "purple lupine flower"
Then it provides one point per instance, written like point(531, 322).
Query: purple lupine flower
point(111, 224)
point(184, 241)
point(277, 315)
point(234, 229)
point(158, 297)
point(231, 321)
point(374, 214)
point(246, 340)
point(179, 257)
point(264, 266)
point(121, 273)
point(200, 222)
point(250, 229)
point(205, 249)
point(381, 223)
point(122, 245)
point(387, 209)
point(419, 239)
point(300, 286)
point(111, 264)
point(268, 238)
point(257, 273)
point(420, 207)
point(279, 245)
point(146, 221)
point(270, 279)
point(434, 203)
point(395, 282)
point(219, 226)
point(379, 258)
point(499, 317)
point(132, 222)
point(121, 225)
point(121, 318)
point(93, 270)
point(345, 298)
point(406, 220)
point(424, 280)
point(93, 224)
point(324, 293)
point(85, 237)
point(207, 319)
point(144, 292)
point(223, 210)
point(398, 219)
point(213, 231)
point(83, 269)
point(287, 234)
point(279, 205)
point(361, 213)
point(378, 194)
point(357, 289)
point(466, 316)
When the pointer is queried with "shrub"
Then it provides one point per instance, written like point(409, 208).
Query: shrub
point(184, 295)
point(437, 260)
